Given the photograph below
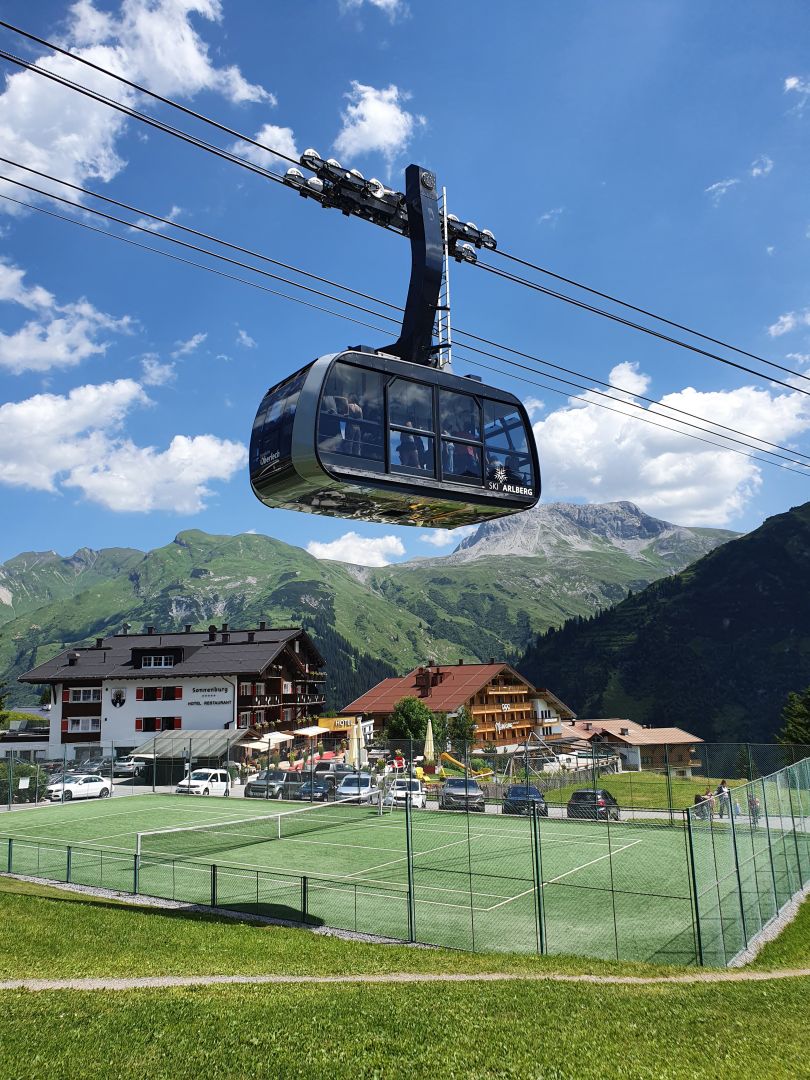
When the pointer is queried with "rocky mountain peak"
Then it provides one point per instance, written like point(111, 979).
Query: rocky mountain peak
point(549, 527)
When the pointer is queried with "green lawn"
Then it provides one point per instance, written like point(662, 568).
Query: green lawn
point(488, 1032)
point(526, 1030)
point(645, 790)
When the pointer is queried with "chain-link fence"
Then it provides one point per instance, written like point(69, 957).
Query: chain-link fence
point(750, 854)
point(456, 853)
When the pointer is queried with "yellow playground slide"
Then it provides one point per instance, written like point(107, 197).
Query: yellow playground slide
point(460, 765)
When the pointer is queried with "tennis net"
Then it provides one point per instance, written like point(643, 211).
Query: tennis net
point(193, 841)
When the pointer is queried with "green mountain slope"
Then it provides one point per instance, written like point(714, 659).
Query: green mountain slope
point(714, 649)
point(486, 599)
point(34, 578)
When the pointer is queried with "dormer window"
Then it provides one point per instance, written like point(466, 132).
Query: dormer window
point(158, 661)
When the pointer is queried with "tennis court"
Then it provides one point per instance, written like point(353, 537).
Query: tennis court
point(607, 890)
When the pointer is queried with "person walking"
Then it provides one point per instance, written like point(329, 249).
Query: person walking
point(724, 802)
point(708, 798)
point(753, 809)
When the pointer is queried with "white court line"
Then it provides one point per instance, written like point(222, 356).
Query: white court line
point(575, 870)
point(347, 847)
point(404, 858)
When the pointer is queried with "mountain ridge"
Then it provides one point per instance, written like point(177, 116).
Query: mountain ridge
point(381, 620)
point(714, 649)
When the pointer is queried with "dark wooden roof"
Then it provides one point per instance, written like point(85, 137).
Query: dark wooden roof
point(113, 659)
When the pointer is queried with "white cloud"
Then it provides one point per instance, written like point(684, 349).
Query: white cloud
point(761, 166)
point(551, 216)
point(51, 442)
point(154, 373)
point(534, 406)
point(441, 538)
point(375, 120)
point(801, 87)
point(362, 550)
point(183, 348)
point(158, 226)
point(718, 190)
point(141, 478)
point(391, 8)
point(770, 249)
point(14, 291)
point(63, 337)
point(591, 453)
point(244, 339)
point(280, 138)
point(789, 321)
point(151, 41)
point(48, 435)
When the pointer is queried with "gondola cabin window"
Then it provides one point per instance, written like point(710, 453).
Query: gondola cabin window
point(508, 459)
point(350, 418)
point(272, 449)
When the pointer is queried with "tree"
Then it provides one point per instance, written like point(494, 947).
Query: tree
point(461, 727)
point(408, 720)
point(796, 717)
point(440, 735)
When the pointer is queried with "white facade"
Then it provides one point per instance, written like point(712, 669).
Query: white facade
point(131, 711)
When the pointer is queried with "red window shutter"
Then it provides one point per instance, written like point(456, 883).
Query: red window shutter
point(64, 725)
point(65, 695)
point(139, 693)
point(158, 693)
point(178, 694)
point(139, 722)
point(178, 722)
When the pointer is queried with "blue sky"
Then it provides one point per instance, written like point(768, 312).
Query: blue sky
point(658, 151)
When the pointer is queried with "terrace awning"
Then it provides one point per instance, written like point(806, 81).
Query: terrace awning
point(200, 744)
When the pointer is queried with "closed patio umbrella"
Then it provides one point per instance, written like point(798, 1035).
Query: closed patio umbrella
point(429, 751)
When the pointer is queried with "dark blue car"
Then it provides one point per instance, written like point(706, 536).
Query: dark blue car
point(520, 797)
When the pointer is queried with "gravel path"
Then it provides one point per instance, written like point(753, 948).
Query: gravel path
point(164, 981)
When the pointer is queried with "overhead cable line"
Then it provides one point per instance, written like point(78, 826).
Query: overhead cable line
point(327, 281)
point(497, 345)
point(644, 329)
point(589, 400)
point(136, 114)
point(634, 307)
point(187, 229)
point(196, 247)
point(643, 419)
point(191, 262)
point(147, 92)
point(618, 389)
point(235, 159)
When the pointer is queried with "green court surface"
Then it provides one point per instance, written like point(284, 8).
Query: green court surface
point(622, 890)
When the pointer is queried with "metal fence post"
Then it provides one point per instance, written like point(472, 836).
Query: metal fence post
point(69, 860)
point(770, 848)
point(539, 907)
point(10, 854)
point(213, 885)
point(136, 873)
point(731, 806)
point(693, 876)
point(304, 898)
point(10, 777)
point(409, 860)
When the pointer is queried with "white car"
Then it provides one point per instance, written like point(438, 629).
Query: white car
point(205, 782)
point(357, 787)
point(402, 791)
point(78, 786)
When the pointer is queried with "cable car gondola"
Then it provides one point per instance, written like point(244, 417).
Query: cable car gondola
point(385, 436)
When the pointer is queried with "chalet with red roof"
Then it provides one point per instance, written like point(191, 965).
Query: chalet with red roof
point(505, 707)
